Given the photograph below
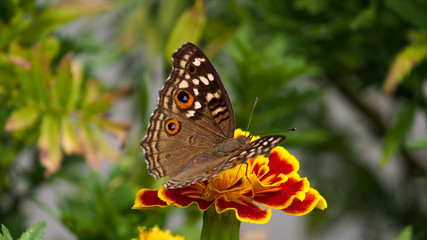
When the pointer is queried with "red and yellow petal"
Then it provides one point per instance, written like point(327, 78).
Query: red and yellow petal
point(283, 195)
point(184, 197)
point(301, 207)
point(280, 162)
point(245, 210)
point(148, 198)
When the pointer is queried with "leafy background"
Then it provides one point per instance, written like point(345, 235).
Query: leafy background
point(78, 81)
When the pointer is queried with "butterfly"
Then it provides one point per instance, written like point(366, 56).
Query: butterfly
point(190, 133)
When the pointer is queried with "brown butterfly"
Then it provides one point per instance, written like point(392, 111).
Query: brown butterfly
point(190, 133)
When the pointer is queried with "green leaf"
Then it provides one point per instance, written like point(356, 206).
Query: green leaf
point(35, 232)
point(6, 234)
point(413, 11)
point(419, 144)
point(397, 132)
point(22, 118)
point(188, 28)
point(63, 12)
point(403, 65)
point(405, 234)
point(69, 139)
point(49, 144)
point(63, 79)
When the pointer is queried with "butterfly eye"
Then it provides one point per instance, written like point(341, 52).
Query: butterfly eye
point(184, 99)
point(172, 126)
point(192, 69)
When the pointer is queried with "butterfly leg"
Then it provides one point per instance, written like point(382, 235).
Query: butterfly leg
point(204, 189)
point(246, 172)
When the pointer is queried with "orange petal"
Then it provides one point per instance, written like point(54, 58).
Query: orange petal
point(301, 207)
point(148, 198)
point(245, 210)
point(184, 197)
point(283, 195)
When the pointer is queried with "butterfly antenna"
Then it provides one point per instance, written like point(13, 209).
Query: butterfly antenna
point(289, 130)
point(252, 112)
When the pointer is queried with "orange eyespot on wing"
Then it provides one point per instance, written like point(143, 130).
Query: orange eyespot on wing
point(172, 126)
point(184, 99)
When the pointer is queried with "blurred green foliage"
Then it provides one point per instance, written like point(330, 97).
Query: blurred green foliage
point(349, 75)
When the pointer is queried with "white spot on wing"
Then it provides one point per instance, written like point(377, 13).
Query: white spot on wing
point(204, 80)
point(183, 84)
point(210, 77)
point(197, 105)
point(202, 59)
point(182, 63)
point(217, 110)
point(196, 62)
point(196, 91)
point(209, 96)
point(196, 81)
point(190, 113)
point(217, 95)
point(187, 76)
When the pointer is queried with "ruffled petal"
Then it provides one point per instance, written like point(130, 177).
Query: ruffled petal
point(301, 207)
point(281, 162)
point(245, 210)
point(282, 196)
point(148, 198)
point(184, 197)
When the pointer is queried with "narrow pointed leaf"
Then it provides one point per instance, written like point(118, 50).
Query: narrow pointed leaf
point(22, 118)
point(63, 12)
point(405, 234)
point(5, 233)
point(120, 130)
point(403, 65)
point(188, 28)
point(419, 144)
point(397, 132)
point(49, 144)
point(35, 232)
point(61, 89)
point(69, 139)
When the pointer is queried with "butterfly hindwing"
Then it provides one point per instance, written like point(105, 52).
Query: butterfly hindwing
point(215, 166)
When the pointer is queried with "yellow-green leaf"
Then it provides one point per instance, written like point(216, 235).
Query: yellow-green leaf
point(62, 12)
point(22, 118)
point(49, 144)
point(76, 85)
point(106, 148)
point(90, 150)
point(405, 234)
point(188, 28)
point(61, 87)
point(397, 132)
point(403, 65)
point(69, 139)
point(418, 144)
point(120, 130)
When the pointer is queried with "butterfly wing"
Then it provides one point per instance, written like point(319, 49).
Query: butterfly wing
point(212, 167)
point(194, 114)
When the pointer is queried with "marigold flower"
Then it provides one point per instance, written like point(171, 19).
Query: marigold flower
point(156, 233)
point(270, 181)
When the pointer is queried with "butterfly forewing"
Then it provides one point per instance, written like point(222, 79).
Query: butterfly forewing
point(194, 117)
point(198, 76)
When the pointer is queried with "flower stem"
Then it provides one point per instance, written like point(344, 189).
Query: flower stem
point(223, 226)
